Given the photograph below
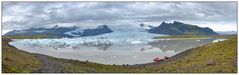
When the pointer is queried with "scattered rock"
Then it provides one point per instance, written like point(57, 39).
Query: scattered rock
point(211, 62)
point(166, 57)
point(6, 58)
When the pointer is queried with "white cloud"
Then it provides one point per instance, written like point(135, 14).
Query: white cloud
point(22, 15)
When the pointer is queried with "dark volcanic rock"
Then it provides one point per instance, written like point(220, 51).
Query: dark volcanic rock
point(179, 28)
point(96, 31)
point(61, 31)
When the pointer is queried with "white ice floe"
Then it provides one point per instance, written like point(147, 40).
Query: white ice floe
point(217, 40)
point(116, 38)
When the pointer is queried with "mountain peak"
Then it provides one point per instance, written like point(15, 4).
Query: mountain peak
point(179, 28)
point(145, 27)
point(163, 23)
point(55, 26)
point(103, 25)
point(177, 22)
point(142, 24)
point(62, 31)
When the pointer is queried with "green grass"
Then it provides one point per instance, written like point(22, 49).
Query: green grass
point(14, 60)
point(224, 54)
point(183, 36)
point(225, 36)
point(197, 36)
point(29, 37)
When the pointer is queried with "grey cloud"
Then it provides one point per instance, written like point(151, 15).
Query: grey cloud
point(43, 14)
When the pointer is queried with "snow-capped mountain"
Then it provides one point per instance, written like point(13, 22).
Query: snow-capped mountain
point(118, 35)
point(125, 28)
point(57, 31)
point(179, 28)
point(117, 38)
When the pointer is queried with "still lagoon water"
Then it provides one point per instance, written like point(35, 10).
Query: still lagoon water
point(105, 51)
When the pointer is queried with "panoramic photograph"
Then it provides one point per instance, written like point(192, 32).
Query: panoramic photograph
point(119, 37)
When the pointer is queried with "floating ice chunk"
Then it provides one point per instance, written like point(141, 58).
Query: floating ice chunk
point(217, 40)
point(116, 38)
point(136, 42)
point(171, 51)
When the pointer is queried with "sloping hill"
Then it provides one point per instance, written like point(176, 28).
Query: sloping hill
point(179, 28)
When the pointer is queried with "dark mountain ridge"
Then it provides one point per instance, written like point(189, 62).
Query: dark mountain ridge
point(175, 28)
point(179, 28)
point(61, 31)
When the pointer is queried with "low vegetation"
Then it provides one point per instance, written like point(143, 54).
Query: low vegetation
point(183, 36)
point(211, 58)
point(197, 36)
point(29, 37)
point(14, 60)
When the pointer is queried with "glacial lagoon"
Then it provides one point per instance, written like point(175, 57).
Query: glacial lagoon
point(106, 51)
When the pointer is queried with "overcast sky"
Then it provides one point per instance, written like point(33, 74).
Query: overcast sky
point(220, 16)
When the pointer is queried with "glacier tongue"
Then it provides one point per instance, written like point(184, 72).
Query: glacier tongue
point(116, 38)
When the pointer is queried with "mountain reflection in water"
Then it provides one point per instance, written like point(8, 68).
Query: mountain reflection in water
point(111, 53)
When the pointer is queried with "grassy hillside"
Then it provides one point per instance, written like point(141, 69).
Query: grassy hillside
point(14, 60)
point(211, 58)
point(179, 28)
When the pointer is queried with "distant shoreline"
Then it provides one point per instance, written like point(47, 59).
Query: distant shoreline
point(180, 38)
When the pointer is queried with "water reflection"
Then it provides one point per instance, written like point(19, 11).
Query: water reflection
point(100, 46)
point(110, 53)
point(178, 45)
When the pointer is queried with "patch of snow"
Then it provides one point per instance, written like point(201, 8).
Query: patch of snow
point(78, 30)
point(39, 31)
point(21, 31)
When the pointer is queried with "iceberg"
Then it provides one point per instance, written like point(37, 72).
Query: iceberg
point(116, 38)
point(217, 40)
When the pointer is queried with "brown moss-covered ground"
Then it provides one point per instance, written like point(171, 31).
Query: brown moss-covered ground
point(14, 60)
point(220, 57)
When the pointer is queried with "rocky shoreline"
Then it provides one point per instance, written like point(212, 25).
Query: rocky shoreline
point(50, 65)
